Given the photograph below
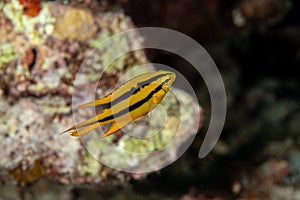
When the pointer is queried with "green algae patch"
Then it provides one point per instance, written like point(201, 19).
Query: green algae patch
point(7, 54)
point(89, 165)
point(116, 45)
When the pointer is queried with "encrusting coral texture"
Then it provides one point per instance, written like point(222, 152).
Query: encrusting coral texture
point(40, 53)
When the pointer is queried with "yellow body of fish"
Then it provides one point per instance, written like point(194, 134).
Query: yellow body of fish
point(132, 100)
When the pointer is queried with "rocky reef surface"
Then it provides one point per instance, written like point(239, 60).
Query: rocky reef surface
point(40, 53)
point(255, 44)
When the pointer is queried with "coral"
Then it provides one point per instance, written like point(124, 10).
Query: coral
point(7, 54)
point(37, 73)
point(194, 195)
point(73, 24)
point(118, 63)
point(23, 176)
point(31, 7)
point(37, 29)
point(266, 11)
point(90, 165)
point(27, 137)
point(266, 182)
point(38, 62)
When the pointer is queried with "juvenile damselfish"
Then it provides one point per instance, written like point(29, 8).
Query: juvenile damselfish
point(132, 100)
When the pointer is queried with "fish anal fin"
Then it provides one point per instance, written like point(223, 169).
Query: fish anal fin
point(114, 128)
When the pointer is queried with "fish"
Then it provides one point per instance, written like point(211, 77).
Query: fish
point(131, 101)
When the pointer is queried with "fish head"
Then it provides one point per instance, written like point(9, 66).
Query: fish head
point(167, 80)
point(162, 86)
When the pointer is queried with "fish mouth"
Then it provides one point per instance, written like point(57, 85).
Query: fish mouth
point(172, 77)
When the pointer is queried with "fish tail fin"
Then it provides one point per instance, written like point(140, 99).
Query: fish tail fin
point(68, 130)
point(87, 125)
point(76, 133)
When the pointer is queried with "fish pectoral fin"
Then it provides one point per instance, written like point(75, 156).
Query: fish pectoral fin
point(114, 128)
point(102, 103)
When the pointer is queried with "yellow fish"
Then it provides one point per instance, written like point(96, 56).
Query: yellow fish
point(132, 100)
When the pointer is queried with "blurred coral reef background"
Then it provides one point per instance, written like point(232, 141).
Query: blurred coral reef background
point(256, 46)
